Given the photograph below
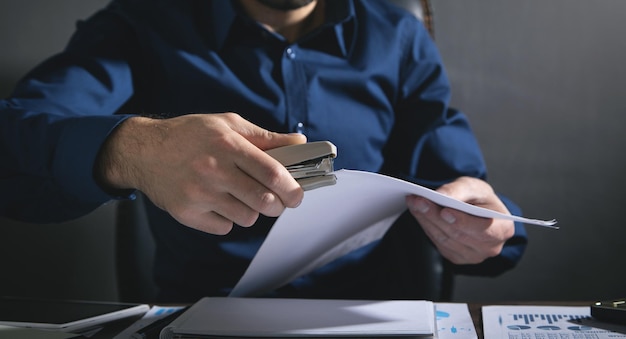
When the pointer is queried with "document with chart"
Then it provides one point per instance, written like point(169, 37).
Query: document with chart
point(562, 322)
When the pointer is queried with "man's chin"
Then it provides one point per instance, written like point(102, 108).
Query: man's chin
point(285, 5)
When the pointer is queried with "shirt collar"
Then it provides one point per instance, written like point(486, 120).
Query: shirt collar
point(339, 15)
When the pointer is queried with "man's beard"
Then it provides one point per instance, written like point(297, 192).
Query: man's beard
point(285, 5)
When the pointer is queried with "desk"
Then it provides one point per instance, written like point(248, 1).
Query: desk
point(475, 310)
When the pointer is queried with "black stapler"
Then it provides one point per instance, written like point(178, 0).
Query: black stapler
point(311, 164)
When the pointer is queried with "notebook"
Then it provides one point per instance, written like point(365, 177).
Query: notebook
point(223, 317)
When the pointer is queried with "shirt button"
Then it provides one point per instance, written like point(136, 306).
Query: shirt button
point(291, 54)
point(300, 128)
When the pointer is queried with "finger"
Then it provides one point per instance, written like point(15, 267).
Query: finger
point(275, 179)
point(427, 214)
point(463, 189)
point(218, 219)
point(208, 222)
point(192, 208)
point(473, 191)
point(260, 137)
point(257, 196)
point(450, 248)
point(445, 218)
point(446, 236)
point(472, 225)
point(460, 237)
point(469, 239)
point(234, 209)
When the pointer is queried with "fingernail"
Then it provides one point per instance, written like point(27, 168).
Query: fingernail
point(421, 206)
point(298, 204)
point(448, 217)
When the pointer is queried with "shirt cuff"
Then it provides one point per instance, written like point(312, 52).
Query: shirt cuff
point(76, 156)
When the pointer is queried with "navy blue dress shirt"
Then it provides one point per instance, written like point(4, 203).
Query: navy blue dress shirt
point(369, 79)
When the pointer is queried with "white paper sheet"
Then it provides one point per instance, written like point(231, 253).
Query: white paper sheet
point(314, 318)
point(563, 322)
point(454, 321)
point(155, 313)
point(10, 332)
point(334, 220)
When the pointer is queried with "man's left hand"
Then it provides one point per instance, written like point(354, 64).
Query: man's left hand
point(460, 237)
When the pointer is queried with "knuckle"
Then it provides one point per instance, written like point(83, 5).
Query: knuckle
point(183, 215)
point(230, 116)
point(190, 193)
point(266, 201)
point(456, 234)
point(274, 174)
point(248, 220)
point(204, 166)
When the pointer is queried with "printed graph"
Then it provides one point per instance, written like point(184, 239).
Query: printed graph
point(546, 321)
point(542, 322)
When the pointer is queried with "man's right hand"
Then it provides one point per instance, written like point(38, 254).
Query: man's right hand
point(206, 170)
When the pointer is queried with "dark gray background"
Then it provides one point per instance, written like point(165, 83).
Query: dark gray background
point(543, 83)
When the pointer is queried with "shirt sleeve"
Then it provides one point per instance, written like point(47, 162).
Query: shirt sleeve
point(57, 118)
point(433, 144)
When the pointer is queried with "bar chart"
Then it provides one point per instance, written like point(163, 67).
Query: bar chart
point(541, 322)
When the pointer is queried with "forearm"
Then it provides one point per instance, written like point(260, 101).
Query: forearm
point(46, 166)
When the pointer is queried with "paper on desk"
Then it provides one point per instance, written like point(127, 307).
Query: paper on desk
point(10, 332)
point(155, 313)
point(563, 322)
point(334, 220)
point(454, 321)
point(215, 317)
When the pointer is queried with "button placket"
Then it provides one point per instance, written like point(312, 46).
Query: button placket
point(295, 87)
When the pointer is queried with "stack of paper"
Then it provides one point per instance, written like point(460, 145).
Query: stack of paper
point(321, 318)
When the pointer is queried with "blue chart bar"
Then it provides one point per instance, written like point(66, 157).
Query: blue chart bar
point(549, 319)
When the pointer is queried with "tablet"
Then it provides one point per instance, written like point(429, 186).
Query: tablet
point(65, 316)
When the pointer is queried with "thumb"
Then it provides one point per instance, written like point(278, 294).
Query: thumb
point(471, 190)
point(274, 140)
point(265, 139)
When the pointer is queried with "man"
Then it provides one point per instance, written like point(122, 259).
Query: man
point(125, 106)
